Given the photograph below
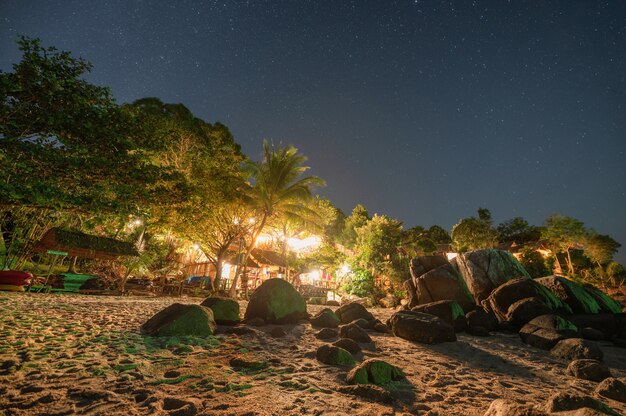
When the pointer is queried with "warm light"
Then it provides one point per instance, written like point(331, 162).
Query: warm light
point(196, 246)
point(345, 269)
point(315, 275)
point(137, 222)
point(306, 244)
point(251, 220)
point(236, 221)
point(451, 255)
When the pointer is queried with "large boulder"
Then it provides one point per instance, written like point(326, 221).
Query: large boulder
point(606, 323)
point(502, 407)
point(181, 320)
point(544, 338)
point(485, 270)
point(354, 332)
point(592, 370)
point(374, 371)
point(607, 304)
point(225, 310)
point(421, 327)
point(411, 294)
point(613, 388)
point(570, 292)
point(353, 311)
point(525, 310)
point(479, 318)
point(505, 295)
point(448, 310)
point(424, 264)
point(551, 321)
point(276, 301)
point(562, 402)
point(442, 283)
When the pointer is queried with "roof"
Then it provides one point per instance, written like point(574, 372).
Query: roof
point(79, 244)
point(268, 257)
point(231, 257)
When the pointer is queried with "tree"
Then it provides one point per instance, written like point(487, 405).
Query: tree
point(600, 248)
point(616, 272)
point(517, 230)
point(563, 234)
point(534, 263)
point(438, 235)
point(377, 241)
point(278, 189)
point(474, 233)
point(356, 219)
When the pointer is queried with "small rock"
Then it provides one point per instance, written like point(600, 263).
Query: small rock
point(613, 388)
point(242, 362)
point(171, 374)
point(374, 371)
point(362, 323)
point(586, 369)
point(576, 348)
point(480, 318)
point(561, 402)
point(592, 334)
point(333, 355)
point(348, 345)
point(255, 321)
point(326, 318)
point(354, 332)
point(326, 333)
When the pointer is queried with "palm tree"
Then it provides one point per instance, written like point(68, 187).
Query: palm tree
point(277, 190)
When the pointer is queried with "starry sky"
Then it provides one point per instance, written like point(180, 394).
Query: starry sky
point(420, 109)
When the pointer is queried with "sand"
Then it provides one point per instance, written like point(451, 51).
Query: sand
point(74, 354)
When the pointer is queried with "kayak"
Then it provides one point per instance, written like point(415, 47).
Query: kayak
point(14, 277)
point(12, 288)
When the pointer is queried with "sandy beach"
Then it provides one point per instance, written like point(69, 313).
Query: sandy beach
point(72, 354)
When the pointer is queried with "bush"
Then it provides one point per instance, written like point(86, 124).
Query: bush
point(534, 263)
point(616, 272)
point(360, 284)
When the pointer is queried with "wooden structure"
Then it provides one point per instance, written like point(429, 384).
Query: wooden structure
point(83, 245)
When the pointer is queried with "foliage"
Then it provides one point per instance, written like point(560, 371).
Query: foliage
point(358, 218)
point(474, 233)
point(600, 248)
point(563, 234)
point(517, 230)
point(377, 242)
point(360, 284)
point(534, 263)
point(438, 235)
point(616, 272)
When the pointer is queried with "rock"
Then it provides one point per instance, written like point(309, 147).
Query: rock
point(327, 333)
point(421, 327)
point(348, 345)
point(423, 264)
point(411, 294)
point(576, 348)
point(332, 303)
point(505, 295)
point(604, 322)
point(544, 338)
point(178, 407)
point(380, 327)
point(366, 391)
point(333, 355)
point(501, 407)
point(276, 301)
point(554, 322)
point(278, 332)
point(448, 310)
point(592, 370)
point(389, 301)
point(592, 334)
point(171, 374)
point(482, 319)
point(525, 310)
point(255, 322)
point(607, 304)
point(326, 318)
point(352, 311)
point(181, 320)
point(561, 402)
point(570, 292)
point(362, 323)
point(485, 270)
point(374, 371)
point(612, 388)
point(442, 283)
point(354, 332)
point(225, 310)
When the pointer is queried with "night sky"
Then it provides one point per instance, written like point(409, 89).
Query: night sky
point(422, 110)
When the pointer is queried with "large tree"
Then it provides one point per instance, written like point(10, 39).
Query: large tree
point(564, 234)
point(474, 233)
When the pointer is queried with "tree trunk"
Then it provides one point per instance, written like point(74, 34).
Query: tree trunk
point(72, 268)
point(559, 268)
point(233, 287)
point(219, 261)
point(570, 266)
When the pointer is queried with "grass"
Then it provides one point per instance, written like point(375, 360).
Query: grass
point(176, 380)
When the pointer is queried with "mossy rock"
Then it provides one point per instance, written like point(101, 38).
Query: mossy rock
point(374, 371)
point(606, 303)
point(555, 322)
point(448, 310)
point(181, 320)
point(333, 355)
point(276, 301)
point(225, 310)
point(573, 294)
point(326, 318)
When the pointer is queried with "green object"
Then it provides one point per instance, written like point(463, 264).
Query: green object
point(225, 310)
point(73, 282)
point(374, 371)
point(276, 301)
point(181, 320)
point(606, 303)
point(57, 253)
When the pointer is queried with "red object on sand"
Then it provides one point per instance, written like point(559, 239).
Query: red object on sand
point(14, 277)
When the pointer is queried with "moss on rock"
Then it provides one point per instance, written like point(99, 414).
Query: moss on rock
point(181, 320)
point(374, 371)
point(276, 301)
point(225, 310)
